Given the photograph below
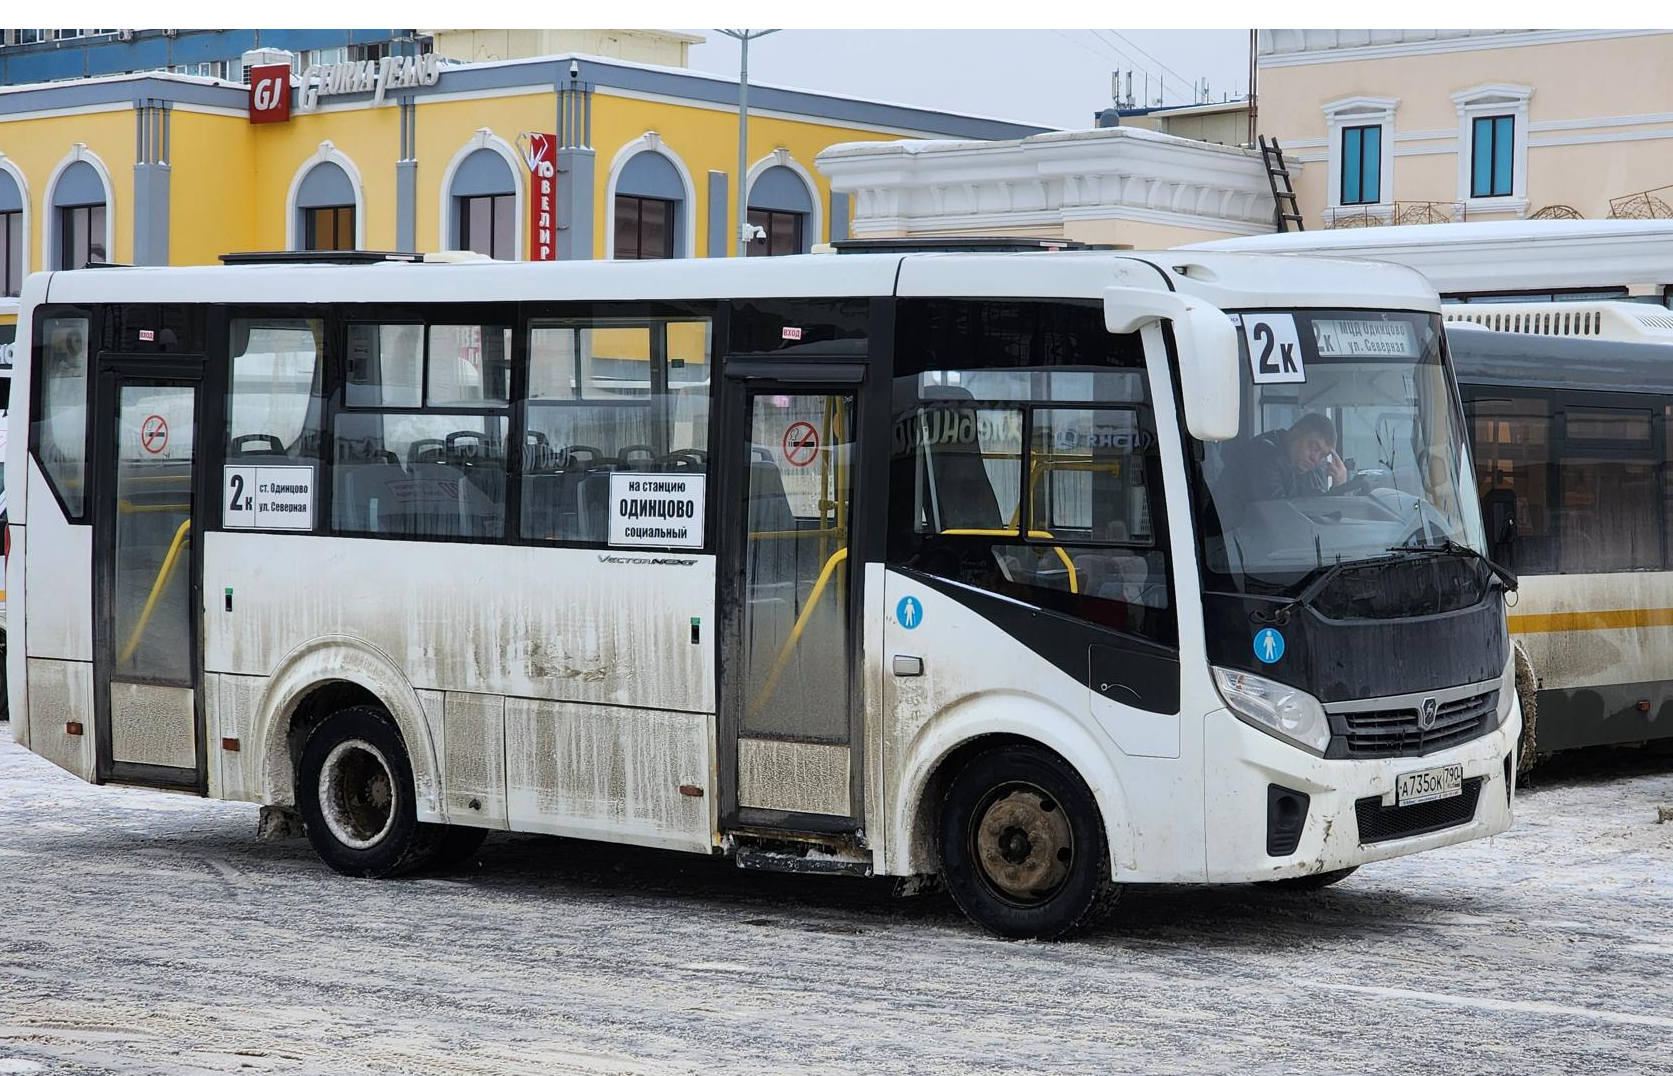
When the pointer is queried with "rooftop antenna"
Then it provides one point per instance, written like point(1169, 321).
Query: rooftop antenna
point(1129, 87)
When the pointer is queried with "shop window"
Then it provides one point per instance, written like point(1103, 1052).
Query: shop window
point(328, 228)
point(326, 208)
point(484, 205)
point(1362, 165)
point(781, 233)
point(1493, 142)
point(11, 251)
point(781, 205)
point(649, 208)
point(79, 216)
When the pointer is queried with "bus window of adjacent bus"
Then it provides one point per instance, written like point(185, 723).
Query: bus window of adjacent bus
point(60, 426)
point(1512, 447)
point(609, 395)
point(1025, 461)
point(1607, 480)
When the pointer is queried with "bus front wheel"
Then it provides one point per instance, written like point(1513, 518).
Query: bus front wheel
point(355, 794)
point(1023, 851)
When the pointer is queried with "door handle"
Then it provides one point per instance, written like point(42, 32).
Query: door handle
point(908, 665)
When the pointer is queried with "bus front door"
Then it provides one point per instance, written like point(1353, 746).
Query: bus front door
point(790, 605)
point(147, 706)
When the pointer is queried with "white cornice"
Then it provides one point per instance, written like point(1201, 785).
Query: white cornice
point(1492, 93)
point(1361, 104)
point(1047, 180)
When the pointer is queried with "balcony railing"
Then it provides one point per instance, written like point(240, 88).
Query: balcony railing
point(1399, 213)
point(1652, 204)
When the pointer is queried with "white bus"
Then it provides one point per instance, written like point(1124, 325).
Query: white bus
point(1572, 438)
point(1497, 261)
point(890, 564)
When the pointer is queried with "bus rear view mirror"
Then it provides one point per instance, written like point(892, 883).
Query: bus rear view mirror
point(1206, 342)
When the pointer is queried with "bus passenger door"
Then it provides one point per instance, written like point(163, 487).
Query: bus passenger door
point(145, 538)
point(790, 603)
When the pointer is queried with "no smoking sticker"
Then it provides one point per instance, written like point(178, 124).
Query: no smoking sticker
point(801, 444)
point(153, 434)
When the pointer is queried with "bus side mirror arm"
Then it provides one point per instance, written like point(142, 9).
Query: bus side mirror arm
point(1206, 342)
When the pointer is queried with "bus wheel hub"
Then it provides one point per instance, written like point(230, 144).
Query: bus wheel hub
point(1024, 845)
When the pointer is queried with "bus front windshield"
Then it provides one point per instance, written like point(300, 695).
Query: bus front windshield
point(1351, 449)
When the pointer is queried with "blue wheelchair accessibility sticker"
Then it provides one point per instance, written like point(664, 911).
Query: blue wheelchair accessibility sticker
point(909, 612)
point(1269, 645)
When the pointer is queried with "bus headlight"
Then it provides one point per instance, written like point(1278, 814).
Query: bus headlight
point(1284, 711)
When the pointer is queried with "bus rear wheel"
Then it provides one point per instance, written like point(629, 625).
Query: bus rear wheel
point(355, 794)
point(1023, 851)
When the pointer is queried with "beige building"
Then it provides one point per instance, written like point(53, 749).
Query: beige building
point(1223, 122)
point(665, 48)
point(1418, 126)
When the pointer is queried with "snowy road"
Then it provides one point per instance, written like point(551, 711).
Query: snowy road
point(147, 933)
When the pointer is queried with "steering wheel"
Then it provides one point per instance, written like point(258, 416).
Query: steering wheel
point(1359, 485)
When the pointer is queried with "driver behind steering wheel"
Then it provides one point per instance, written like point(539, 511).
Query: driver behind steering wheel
point(1279, 464)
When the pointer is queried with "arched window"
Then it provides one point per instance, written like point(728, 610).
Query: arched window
point(650, 208)
point(78, 204)
point(781, 206)
point(484, 197)
point(325, 209)
point(12, 238)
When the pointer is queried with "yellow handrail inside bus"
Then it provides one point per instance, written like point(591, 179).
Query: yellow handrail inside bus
point(820, 532)
point(129, 508)
point(795, 636)
point(982, 532)
point(182, 538)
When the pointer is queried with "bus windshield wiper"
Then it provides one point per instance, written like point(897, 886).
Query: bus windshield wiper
point(1313, 590)
point(1451, 547)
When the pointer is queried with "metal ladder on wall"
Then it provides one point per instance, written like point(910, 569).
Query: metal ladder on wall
point(1273, 157)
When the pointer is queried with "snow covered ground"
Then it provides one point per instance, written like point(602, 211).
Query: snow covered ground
point(143, 932)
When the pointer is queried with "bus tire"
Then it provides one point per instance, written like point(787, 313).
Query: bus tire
point(354, 791)
point(1527, 693)
point(1023, 850)
point(1309, 882)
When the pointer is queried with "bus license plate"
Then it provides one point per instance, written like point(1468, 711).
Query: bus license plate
point(1442, 782)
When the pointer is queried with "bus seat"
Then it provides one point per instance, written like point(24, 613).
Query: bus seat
point(964, 494)
point(366, 500)
point(1115, 576)
point(482, 503)
point(430, 499)
point(592, 506)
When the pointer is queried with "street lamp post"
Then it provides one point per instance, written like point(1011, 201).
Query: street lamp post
point(744, 37)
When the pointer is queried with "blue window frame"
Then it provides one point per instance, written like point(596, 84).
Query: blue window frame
point(1362, 165)
point(1490, 161)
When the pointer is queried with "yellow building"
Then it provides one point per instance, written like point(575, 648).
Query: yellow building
point(1420, 126)
point(161, 169)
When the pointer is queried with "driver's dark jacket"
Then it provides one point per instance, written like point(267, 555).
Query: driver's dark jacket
point(1259, 469)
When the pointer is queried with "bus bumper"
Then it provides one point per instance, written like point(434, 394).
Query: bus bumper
point(1243, 765)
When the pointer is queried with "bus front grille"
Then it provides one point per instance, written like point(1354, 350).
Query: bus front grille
point(1394, 733)
point(1379, 823)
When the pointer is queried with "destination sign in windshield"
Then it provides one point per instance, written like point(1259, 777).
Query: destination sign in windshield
point(1345, 338)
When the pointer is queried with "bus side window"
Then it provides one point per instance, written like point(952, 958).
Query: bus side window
point(439, 472)
point(1025, 461)
point(274, 403)
point(60, 426)
point(609, 395)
